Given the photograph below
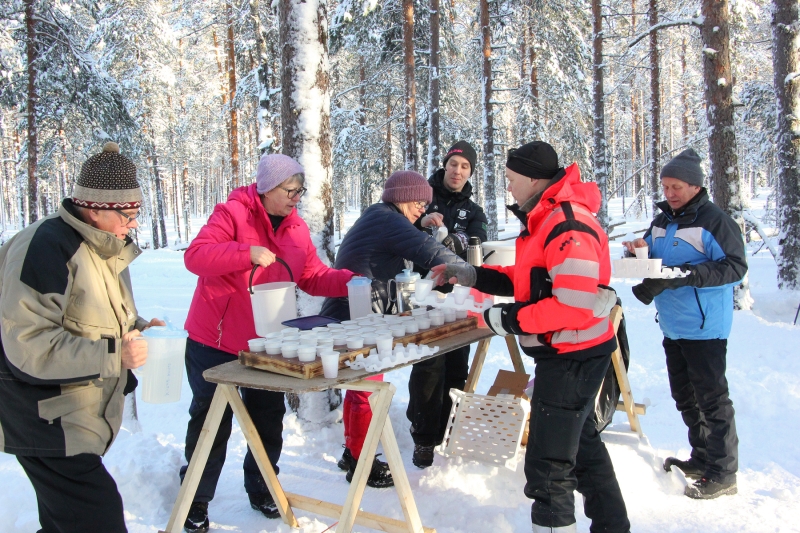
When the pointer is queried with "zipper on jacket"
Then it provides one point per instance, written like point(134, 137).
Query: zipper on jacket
point(219, 326)
point(702, 314)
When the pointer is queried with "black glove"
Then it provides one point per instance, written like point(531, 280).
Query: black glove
point(652, 287)
point(502, 319)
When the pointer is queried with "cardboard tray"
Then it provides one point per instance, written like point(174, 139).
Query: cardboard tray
point(292, 367)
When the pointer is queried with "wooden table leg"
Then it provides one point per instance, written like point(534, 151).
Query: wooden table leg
point(401, 484)
point(516, 358)
point(259, 453)
point(622, 377)
point(198, 463)
point(380, 400)
point(477, 365)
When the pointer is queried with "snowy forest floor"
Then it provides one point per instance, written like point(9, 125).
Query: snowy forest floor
point(463, 496)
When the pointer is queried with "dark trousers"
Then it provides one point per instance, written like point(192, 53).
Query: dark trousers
point(565, 452)
point(429, 401)
point(696, 370)
point(75, 494)
point(266, 408)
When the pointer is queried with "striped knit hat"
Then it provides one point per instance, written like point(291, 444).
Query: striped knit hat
point(108, 181)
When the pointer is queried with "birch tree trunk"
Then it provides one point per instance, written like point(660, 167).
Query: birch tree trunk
point(32, 98)
point(725, 185)
point(600, 148)
point(490, 196)
point(655, 107)
point(786, 68)
point(233, 135)
point(305, 113)
point(410, 121)
point(433, 87)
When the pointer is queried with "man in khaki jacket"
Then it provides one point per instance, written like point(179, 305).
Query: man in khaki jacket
point(68, 326)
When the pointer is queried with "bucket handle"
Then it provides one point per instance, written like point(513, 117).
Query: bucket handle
point(255, 267)
point(485, 257)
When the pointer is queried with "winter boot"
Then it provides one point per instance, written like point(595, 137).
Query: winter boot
point(379, 476)
point(346, 460)
point(689, 468)
point(197, 520)
point(264, 503)
point(706, 489)
point(423, 456)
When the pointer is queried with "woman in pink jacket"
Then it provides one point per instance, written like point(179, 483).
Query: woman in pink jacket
point(257, 224)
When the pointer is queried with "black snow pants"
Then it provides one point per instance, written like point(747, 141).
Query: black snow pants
point(266, 408)
point(565, 452)
point(429, 401)
point(696, 370)
point(75, 494)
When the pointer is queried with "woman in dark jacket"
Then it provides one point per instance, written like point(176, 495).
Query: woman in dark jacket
point(382, 243)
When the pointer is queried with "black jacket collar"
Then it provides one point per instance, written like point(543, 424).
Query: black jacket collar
point(437, 182)
point(688, 212)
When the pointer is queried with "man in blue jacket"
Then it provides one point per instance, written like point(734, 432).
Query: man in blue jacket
point(695, 313)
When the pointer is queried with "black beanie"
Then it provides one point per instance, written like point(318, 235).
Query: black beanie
point(536, 160)
point(685, 167)
point(465, 150)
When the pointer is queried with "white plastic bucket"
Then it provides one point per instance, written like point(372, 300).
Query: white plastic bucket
point(504, 253)
point(273, 303)
point(161, 376)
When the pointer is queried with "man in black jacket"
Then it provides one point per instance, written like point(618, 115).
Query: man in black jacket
point(429, 386)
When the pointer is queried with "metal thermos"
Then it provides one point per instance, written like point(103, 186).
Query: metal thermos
point(475, 252)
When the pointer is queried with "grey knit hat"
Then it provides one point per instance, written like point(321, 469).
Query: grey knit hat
point(108, 181)
point(685, 167)
point(274, 169)
point(407, 186)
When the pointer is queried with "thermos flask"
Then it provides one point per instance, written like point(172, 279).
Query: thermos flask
point(475, 252)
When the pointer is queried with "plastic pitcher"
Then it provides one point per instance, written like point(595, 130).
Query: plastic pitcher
point(359, 294)
point(162, 374)
point(273, 302)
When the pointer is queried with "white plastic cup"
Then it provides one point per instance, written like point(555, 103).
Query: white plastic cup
point(412, 327)
point(339, 340)
point(384, 343)
point(323, 338)
point(436, 319)
point(642, 253)
point(289, 350)
point(460, 293)
point(423, 322)
point(369, 337)
point(422, 288)
point(307, 354)
point(256, 345)
point(272, 347)
point(449, 314)
point(461, 314)
point(320, 329)
point(290, 331)
point(330, 364)
point(355, 343)
point(399, 330)
point(322, 348)
point(419, 311)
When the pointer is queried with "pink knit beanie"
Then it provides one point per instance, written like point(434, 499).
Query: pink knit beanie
point(407, 186)
point(274, 169)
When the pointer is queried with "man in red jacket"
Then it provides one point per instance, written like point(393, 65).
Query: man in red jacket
point(560, 314)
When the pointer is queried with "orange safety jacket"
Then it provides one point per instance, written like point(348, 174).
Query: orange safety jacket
point(562, 263)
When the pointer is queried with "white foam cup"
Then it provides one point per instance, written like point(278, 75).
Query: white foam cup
point(384, 343)
point(642, 253)
point(355, 343)
point(272, 347)
point(289, 350)
point(461, 314)
point(460, 293)
point(330, 364)
point(423, 322)
point(449, 314)
point(256, 345)
point(307, 354)
point(422, 288)
point(398, 330)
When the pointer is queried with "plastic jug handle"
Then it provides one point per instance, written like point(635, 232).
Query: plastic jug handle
point(255, 267)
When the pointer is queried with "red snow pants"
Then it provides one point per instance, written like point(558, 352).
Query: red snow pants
point(357, 415)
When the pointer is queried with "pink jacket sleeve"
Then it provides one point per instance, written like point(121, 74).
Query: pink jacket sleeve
point(320, 280)
point(215, 252)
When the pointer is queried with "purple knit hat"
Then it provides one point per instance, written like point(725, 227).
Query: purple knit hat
point(274, 169)
point(407, 186)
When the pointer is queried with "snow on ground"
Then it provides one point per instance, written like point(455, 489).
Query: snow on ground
point(464, 496)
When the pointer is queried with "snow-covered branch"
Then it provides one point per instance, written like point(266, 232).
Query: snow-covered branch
point(756, 223)
point(697, 22)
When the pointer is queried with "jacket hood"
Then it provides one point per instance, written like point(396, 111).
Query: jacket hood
point(437, 182)
point(105, 243)
point(570, 188)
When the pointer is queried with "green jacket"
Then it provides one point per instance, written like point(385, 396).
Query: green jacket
point(65, 302)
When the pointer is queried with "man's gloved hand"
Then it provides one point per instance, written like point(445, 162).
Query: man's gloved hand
point(502, 319)
point(652, 287)
point(456, 242)
point(463, 274)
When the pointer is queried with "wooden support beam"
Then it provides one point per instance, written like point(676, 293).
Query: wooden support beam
point(516, 358)
point(639, 408)
point(477, 365)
